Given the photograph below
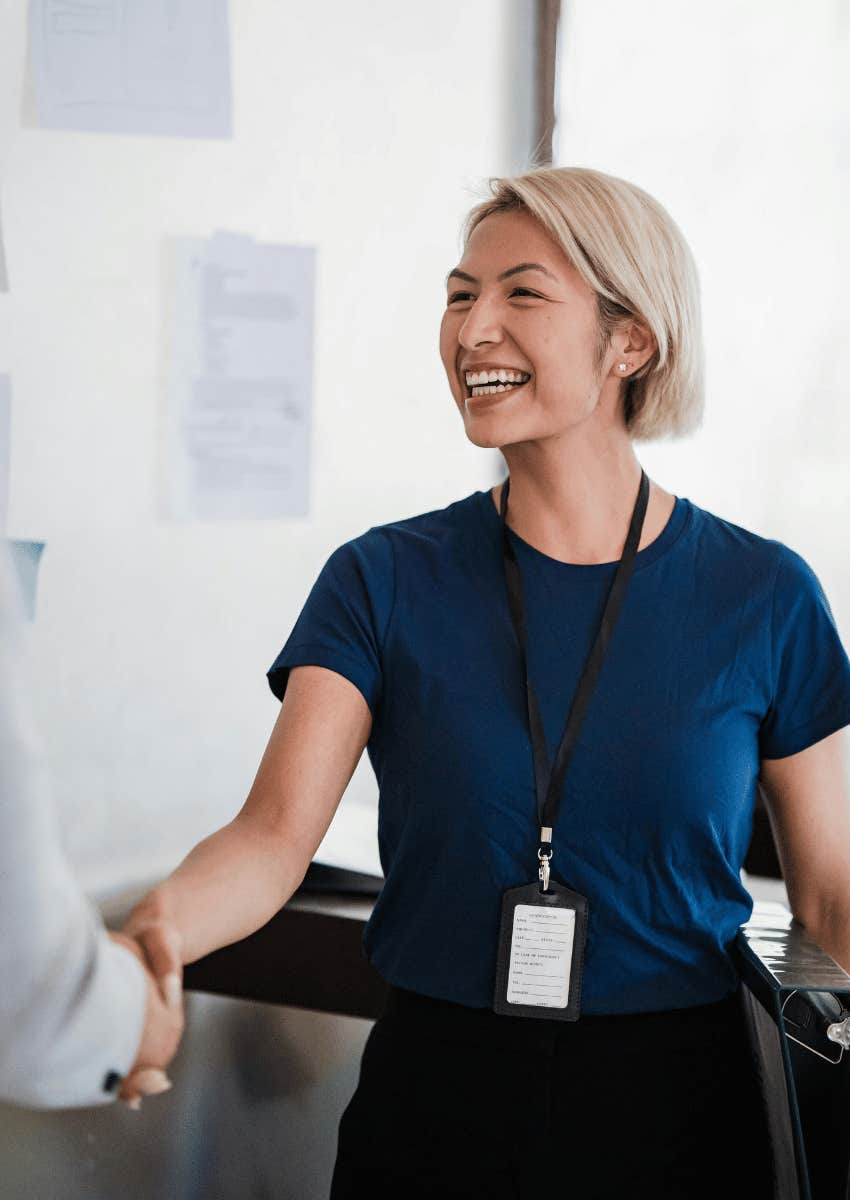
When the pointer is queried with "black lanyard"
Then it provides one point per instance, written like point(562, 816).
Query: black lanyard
point(549, 782)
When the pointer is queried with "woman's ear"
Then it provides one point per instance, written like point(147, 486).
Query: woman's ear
point(638, 343)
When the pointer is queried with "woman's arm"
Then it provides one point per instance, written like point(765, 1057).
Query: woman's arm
point(235, 880)
point(807, 796)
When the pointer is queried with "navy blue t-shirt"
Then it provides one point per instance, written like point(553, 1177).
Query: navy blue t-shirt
point(725, 651)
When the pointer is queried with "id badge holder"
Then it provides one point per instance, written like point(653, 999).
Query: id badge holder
point(540, 960)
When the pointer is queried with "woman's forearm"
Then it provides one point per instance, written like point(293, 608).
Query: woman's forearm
point(832, 934)
point(226, 888)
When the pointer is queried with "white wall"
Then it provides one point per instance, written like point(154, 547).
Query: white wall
point(736, 117)
point(368, 135)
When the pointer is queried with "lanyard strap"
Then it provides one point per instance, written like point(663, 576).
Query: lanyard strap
point(549, 782)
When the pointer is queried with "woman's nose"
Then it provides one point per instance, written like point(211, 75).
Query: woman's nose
point(480, 326)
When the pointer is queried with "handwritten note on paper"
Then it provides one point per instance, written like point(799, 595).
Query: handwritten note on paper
point(5, 447)
point(240, 379)
point(132, 66)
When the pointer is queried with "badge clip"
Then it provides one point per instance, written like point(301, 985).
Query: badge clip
point(545, 856)
point(544, 869)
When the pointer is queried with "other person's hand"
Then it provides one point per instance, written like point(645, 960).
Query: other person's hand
point(156, 944)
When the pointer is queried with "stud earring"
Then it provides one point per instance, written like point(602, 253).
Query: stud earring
point(622, 366)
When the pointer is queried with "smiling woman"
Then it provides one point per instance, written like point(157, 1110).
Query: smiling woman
point(579, 277)
point(571, 330)
point(681, 650)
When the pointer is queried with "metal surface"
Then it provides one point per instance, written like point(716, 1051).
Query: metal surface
point(253, 1113)
point(807, 1096)
point(787, 953)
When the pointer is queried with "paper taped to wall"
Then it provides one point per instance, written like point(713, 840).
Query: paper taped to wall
point(239, 379)
point(130, 66)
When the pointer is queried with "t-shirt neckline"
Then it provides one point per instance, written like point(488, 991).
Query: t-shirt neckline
point(676, 524)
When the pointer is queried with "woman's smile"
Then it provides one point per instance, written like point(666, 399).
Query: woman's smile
point(488, 389)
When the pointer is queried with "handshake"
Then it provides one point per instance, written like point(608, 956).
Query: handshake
point(156, 942)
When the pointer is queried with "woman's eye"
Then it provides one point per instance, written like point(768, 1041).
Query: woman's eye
point(461, 295)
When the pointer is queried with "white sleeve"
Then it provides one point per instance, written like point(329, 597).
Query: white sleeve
point(72, 1001)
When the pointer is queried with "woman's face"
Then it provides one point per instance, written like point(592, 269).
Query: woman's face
point(538, 321)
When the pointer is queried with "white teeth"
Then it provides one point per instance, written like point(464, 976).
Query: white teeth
point(503, 375)
point(490, 389)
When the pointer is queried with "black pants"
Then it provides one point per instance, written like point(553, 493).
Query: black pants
point(455, 1101)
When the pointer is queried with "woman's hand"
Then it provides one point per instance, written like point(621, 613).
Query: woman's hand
point(155, 940)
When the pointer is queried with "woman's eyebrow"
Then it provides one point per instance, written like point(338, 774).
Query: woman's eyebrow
point(456, 272)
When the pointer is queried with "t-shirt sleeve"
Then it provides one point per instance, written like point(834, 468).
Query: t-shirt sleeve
point(810, 670)
point(344, 620)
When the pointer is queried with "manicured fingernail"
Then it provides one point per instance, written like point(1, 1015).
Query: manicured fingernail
point(157, 1088)
point(173, 991)
point(151, 1081)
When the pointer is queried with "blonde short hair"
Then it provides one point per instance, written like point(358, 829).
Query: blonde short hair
point(632, 253)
